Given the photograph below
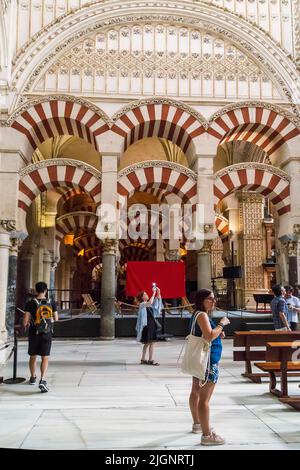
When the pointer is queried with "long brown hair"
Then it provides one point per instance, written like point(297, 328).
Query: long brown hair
point(140, 296)
point(201, 295)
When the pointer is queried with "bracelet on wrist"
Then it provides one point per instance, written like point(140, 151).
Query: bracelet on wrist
point(221, 325)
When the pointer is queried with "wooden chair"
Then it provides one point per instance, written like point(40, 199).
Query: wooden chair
point(187, 304)
point(89, 303)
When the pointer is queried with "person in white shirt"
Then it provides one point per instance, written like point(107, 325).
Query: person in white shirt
point(293, 307)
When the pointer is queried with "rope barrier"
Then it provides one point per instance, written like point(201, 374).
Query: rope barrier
point(164, 308)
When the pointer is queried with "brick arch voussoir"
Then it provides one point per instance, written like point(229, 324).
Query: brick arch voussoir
point(273, 185)
point(53, 174)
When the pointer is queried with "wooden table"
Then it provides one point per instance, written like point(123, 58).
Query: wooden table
point(283, 352)
point(250, 339)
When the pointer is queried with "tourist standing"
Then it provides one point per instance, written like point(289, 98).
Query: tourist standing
point(279, 309)
point(201, 393)
point(293, 304)
point(40, 313)
point(146, 326)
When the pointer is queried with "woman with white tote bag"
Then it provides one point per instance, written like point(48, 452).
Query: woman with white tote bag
point(201, 392)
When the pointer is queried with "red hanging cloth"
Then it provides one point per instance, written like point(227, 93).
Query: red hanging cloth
point(168, 275)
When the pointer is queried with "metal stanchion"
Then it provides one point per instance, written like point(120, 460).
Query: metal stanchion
point(15, 379)
point(163, 336)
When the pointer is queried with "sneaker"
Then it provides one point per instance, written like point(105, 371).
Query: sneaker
point(32, 380)
point(196, 429)
point(43, 386)
point(212, 440)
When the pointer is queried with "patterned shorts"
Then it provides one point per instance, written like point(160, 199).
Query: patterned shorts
point(213, 373)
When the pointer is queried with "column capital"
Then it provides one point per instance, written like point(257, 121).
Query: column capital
point(291, 247)
point(16, 244)
point(7, 225)
point(206, 248)
point(172, 255)
point(296, 229)
point(110, 246)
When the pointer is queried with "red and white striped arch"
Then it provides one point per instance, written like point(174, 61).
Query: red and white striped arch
point(68, 194)
point(87, 241)
point(72, 222)
point(268, 181)
point(133, 251)
point(159, 120)
point(52, 174)
point(166, 179)
point(222, 225)
point(263, 127)
point(47, 119)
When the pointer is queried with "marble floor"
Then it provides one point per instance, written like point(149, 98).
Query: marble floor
point(102, 398)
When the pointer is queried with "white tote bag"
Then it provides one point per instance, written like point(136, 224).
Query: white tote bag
point(196, 354)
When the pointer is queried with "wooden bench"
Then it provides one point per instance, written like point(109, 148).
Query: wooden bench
point(250, 339)
point(279, 359)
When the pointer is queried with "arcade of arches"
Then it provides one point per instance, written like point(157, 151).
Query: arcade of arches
point(128, 107)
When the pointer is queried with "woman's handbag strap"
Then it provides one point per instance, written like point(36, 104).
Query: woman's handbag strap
point(193, 327)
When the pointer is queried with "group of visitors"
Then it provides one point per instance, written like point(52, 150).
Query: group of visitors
point(285, 308)
point(40, 314)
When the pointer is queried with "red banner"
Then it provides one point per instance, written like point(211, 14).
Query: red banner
point(168, 275)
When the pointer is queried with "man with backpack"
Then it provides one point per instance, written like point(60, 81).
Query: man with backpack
point(40, 314)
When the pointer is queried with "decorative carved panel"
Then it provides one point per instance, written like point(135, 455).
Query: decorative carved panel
point(251, 239)
point(157, 59)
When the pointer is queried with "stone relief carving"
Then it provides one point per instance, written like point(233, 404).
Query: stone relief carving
point(8, 225)
point(291, 248)
point(296, 15)
point(158, 163)
point(59, 162)
point(73, 99)
point(169, 101)
point(106, 52)
point(296, 229)
point(229, 19)
point(253, 104)
point(172, 255)
point(248, 165)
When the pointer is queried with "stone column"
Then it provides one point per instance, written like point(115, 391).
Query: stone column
point(251, 250)
point(204, 265)
point(53, 267)
point(205, 188)
point(107, 231)
point(108, 289)
point(38, 264)
point(47, 267)
point(232, 242)
point(26, 270)
point(292, 250)
point(269, 223)
point(206, 226)
point(6, 226)
point(12, 286)
point(160, 251)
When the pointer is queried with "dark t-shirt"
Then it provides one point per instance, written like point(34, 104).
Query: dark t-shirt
point(32, 306)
